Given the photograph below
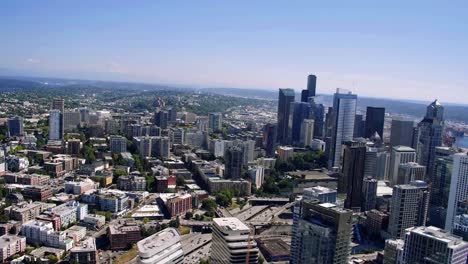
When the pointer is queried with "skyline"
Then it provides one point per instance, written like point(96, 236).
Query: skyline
point(411, 51)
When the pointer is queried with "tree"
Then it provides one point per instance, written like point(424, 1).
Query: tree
point(224, 198)
point(146, 220)
point(180, 181)
point(52, 259)
point(188, 215)
point(261, 260)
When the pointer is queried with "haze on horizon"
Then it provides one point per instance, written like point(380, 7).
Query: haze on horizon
point(405, 50)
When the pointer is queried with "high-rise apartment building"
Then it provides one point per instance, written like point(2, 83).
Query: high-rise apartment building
point(286, 97)
point(162, 247)
point(399, 155)
point(401, 133)
point(215, 121)
point(161, 118)
point(344, 111)
point(117, 144)
point(458, 187)
point(369, 194)
point(433, 245)
point(234, 159)
point(55, 125)
point(375, 118)
point(232, 242)
point(71, 120)
point(307, 132)
point(408, 207)
point(321, 233)
point(409, 172)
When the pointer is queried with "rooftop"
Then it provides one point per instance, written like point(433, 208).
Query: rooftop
point(8, 239)
point(159, 241)
point(88, 244)
point(439, 234)
point(403, 149)
point(230, 223)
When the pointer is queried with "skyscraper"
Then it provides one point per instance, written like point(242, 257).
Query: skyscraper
point(375, 118)
point(433, 245)
point(369, 194)
point(359, 126)
point(440, 181)
point(409, 172)
point(318, 113)
point(408, 207)
point(232, 242)
point(234, 160)
point(311, 88)
point(321, 233)
point(117, 144)
point(286, 97)
point(458, 187)
point(161, 118)
point(59, 104)
point(429, 135)
point(399, 155)
point(307, 132)
point(55, 125)
point(269, 139)
point(402, 133)
point(344, 111)
point(15, 126)
point(352, 174)
point(215, 121)
point(298, 112)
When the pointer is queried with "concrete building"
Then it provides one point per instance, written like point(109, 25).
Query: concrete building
point(344, 111)
point(80, 187)
point(69, 213)
point(369, 194)
point(11, 245)
point(399, 155)
point(376, 222)
point(26, 179)
point(232, 241)
point(323, 194)
point(93, 222)
point(37, 193)
point(408, 208)
point(433, 245)
point(162, 247)
point(85, 252)
point(285, 153)
point(307, 132)
point(42, 232)
point(131, 183)
point(409, 172)
point(257, 175)
point(458, 187)
point(318, 144)
point(393, 253)
point(117, 144)
point(321, 233)
point(71, 120)
point(24, 212)
point(176, 204)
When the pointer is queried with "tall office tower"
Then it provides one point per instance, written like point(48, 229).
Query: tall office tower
point(234, 160)
point(433, 245)
point(215, 121)
point(307, 132)
point(55, 125)
point(162, 247)
point(161, 118)
point(399, 155)
point(409, 172)
point(84, 115)
point(371, 162)
point(286, 97)
point(344, 112)
point(359, 126)
point(311, 88)
point(248, 147)
point(369, 194)
point(383, 163)
point(321, 233)
point(375, 118)
point(408, 207)
point(430, 135)
point(298, 112)
point(318, 113)
point(401, 133)
point(354, 156)
point(71, 120)
point(458, 187)
point(117, 144)
point(441, 186)
point(202, 123)
point(15, 126)
point(232, 242)
point(269, 139)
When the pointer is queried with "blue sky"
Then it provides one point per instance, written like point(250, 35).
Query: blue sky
point(396, 49)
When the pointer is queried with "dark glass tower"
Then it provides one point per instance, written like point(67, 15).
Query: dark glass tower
point(311, 88)
point(285, 98)
point(375, 117)
point(269, 139)
point(299, 111)
point(354, 156)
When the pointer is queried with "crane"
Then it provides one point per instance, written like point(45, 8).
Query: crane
point(249, 245)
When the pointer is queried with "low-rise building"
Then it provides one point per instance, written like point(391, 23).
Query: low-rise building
point(37, 193)
point(24, 212)
point(37, 231)
point(376, 222)
point(26, 179)
point(80, 187)
point(176, 204)
point(77, 233)
point(131, 183)
point(123, 233)
point(11, 245)
point(85, 252)
point(93, 222)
